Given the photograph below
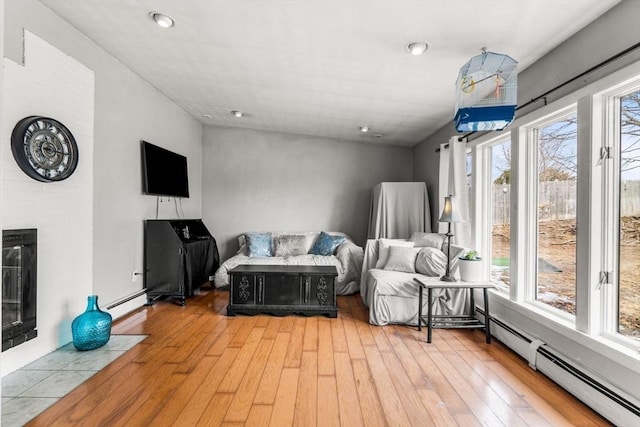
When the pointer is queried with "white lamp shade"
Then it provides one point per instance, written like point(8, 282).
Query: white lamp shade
point(450, 213)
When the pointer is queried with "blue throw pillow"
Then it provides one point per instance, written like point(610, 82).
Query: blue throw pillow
point(259, 244)
point(326, 244)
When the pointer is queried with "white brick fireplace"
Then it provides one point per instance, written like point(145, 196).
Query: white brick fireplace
point(52, 84)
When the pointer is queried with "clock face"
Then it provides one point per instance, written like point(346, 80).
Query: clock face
point(44, 149)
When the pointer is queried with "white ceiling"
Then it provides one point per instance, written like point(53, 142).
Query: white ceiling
point(322, 68)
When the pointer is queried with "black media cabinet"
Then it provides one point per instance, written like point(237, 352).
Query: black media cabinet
point(179, 257)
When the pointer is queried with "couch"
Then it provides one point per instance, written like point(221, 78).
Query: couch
point(390, 266)
point(300, 248)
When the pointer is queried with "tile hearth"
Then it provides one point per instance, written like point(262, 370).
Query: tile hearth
point(32, 389)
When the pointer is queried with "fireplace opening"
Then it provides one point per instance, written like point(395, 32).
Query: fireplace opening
point(19, 276)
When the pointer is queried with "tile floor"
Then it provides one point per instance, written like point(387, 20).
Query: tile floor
point(32, 389)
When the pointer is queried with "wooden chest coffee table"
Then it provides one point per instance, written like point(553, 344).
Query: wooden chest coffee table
point(282, 290)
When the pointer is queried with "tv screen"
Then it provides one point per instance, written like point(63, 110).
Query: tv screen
point(164, 173)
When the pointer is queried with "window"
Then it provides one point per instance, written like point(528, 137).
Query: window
point(629, 216)
point(500, 213)
point(556, 213)
point(577, 157)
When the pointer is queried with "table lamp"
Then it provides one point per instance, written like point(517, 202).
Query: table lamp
point(449, 215)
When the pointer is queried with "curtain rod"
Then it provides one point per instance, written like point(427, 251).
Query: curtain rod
point(460, 138)
point(561, 85)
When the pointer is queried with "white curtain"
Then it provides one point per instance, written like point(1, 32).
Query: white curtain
point(453, 182)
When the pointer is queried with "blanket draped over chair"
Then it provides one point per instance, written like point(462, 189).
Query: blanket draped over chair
point(399, 209)
point(392, 296)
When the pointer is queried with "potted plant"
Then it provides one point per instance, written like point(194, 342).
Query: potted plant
point(470, 267)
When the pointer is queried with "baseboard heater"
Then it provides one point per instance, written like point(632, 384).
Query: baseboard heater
point(126, 299)
point(616, 408)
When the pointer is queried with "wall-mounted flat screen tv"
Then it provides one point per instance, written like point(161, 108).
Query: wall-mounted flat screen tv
point(164, 173)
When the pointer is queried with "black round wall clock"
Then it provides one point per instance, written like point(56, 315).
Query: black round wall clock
point(44, 148)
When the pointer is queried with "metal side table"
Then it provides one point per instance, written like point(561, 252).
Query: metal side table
point(453, 321)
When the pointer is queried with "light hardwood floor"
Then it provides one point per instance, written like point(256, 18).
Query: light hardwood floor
point(199, 367)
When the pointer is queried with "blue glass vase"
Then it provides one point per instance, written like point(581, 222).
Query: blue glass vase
point(92, 329)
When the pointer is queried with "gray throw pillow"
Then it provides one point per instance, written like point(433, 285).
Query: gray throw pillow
point(289, 245)
point(402, 259)
point(428, 240)
point(431, 262)
point(383, 250)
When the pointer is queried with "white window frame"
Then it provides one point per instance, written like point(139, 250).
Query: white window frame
point(483, 215)
point(532, 131)
point(594, 325)
point(610, 113)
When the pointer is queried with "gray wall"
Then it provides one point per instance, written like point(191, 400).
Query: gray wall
point(611, 33)
point(255, 180)
point(2, 125)
point(127, 109)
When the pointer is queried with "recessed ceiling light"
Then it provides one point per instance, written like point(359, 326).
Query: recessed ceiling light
point(364, 128)
point(237, 113)
point(378, 135)
point(417, 48)
point(161, 19)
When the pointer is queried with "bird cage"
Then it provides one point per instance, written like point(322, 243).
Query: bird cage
point(486, 93)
